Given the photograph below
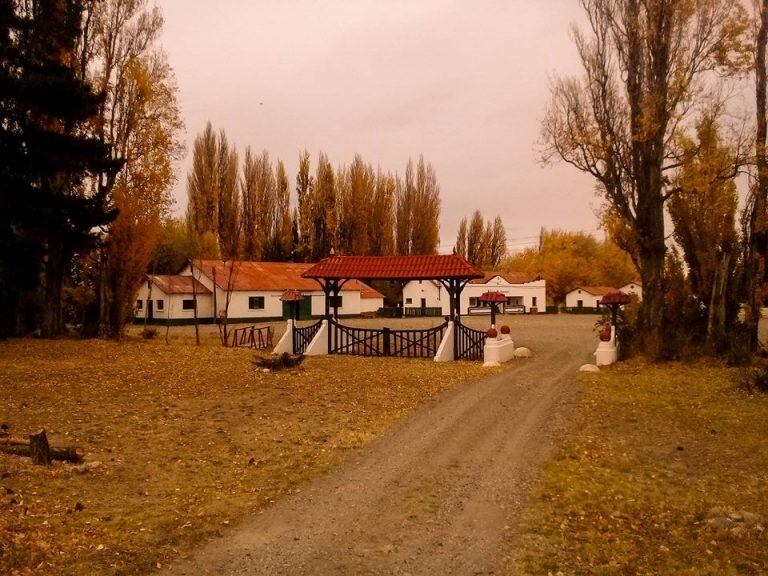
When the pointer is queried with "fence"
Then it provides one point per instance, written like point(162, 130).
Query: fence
point(303, 336)
point(259, 337)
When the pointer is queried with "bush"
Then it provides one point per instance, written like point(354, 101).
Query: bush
point(149, 333)
point(281, 362)
point(754, 378)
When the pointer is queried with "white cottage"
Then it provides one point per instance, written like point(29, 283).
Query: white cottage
point(633, 289)
point(586, 297)
point(427, 297)
point(245, 291)
point(172, 297)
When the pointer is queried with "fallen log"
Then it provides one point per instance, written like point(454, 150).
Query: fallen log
point(37, 448)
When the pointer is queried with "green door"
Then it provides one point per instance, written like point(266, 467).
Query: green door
point(305, 309)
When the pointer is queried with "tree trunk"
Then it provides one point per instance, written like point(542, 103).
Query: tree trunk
point(757, 241)
point(50, 325)
point(716, 312)
point(39, 450)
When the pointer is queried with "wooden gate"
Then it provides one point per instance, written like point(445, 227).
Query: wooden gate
point(384, 341)
point(303, 336)
point(469, 342)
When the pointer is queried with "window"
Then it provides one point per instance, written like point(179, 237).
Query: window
point(256, 302)
point(188, 304)
point(409, 300)
point(473, 301)
point(533, 303)
point(160, 304)
point(139, 305)
point(336, 301)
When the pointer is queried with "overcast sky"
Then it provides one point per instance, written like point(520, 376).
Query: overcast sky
point(463, 83)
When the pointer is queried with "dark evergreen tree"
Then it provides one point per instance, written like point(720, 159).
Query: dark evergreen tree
point(54, 175)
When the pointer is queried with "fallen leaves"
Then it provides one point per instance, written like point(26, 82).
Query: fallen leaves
point(662, 472)
point(179, 440)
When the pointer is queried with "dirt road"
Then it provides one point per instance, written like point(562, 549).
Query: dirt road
point(437, 493)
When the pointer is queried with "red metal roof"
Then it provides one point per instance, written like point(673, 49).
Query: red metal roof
point(421, 267)
point(253, 276)
point(173, 284)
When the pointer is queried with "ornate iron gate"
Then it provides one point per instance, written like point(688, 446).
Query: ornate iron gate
point(469, 342)
point(384, 341)
point(303, 336)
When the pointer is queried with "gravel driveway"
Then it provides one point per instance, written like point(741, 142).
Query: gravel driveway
point(437, 493)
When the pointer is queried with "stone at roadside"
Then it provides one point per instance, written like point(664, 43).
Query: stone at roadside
point(523, 352)
point(589, 368)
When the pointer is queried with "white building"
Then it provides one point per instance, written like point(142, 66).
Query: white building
point(430, 297)
point(245, 291)
point(633, 289)
point(586, 297)
point(172, 297)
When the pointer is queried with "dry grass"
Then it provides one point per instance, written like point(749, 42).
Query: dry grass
point(652, 477)
point(189, 439)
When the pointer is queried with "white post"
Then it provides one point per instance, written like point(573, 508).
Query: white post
point(445, 352)
point(286, 341)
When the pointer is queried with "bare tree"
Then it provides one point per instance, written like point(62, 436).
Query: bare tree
point(644, 62)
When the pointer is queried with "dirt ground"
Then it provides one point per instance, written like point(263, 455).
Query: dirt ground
point(436, 493)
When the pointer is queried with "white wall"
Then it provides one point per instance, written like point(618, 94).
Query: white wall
point(350, 303)
point(371, 304)
point(438, 297)
point(434, 294)
point(590, 300)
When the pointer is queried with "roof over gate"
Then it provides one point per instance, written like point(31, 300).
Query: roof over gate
point(421, 267)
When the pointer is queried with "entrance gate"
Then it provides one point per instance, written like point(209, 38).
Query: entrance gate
point(384, 341)
point(451, 271)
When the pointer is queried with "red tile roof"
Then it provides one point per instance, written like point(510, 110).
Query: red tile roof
point(291, 295)
point(492, 297)
point(174, 284)
point(511, 277)
point(422, 267)
point(615, 297)
point(251, 276)
point(597, 290)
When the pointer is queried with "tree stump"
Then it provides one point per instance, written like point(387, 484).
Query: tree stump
point(39, 449)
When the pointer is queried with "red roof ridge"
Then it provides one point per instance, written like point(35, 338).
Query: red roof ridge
point(597, 290)
point(411, 267)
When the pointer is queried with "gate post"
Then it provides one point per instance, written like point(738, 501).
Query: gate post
point(387, 350)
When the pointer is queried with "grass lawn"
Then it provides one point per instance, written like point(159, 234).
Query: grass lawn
point(189, 440)
point(664, 471)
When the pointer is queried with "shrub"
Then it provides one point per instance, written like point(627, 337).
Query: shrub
point(149, 333)
point(281, 362)
point(492, 333)
point(754, 378)
point(505, 329)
